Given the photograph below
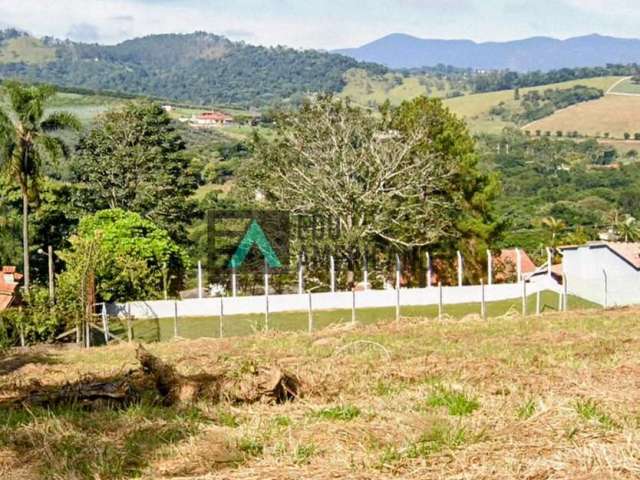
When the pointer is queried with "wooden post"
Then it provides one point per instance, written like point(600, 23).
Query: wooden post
point(489, 268)
point(483, 306)
point(524, 299)
point(199, 279)
point(221, 316)
point(175, 319)
point(439, 300)
point(310, 314)
point(332, 273)
point(460, 274)
point(429, 272)
point(266, 296)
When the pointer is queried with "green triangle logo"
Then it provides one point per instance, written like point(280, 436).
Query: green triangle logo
point(255, 236)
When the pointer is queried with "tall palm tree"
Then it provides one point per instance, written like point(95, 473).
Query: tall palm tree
point(25, 143)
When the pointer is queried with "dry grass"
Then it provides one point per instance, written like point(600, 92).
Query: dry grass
point(611, 114)
point(547, 397)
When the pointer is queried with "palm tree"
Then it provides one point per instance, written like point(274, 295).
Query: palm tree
point(554, 226)
point(25, 142)
point(628, 229)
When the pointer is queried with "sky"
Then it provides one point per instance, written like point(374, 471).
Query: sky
point(321, 24)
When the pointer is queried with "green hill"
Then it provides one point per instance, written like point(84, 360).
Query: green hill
point(200, 68)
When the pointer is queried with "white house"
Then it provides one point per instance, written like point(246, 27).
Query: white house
point(607, 273)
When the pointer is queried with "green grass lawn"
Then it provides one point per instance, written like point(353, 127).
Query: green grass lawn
point(242, 325)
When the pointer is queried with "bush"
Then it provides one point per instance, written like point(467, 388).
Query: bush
point(36, 319)
point(627, 135)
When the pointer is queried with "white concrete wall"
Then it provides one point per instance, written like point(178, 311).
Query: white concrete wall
point(584, 268)
point(208, 307)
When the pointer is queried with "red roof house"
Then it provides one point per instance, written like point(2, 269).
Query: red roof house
point(9, 283)
point(505, 265)
point(211, 119)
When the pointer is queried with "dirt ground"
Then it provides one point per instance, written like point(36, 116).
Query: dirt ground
point(556, 396)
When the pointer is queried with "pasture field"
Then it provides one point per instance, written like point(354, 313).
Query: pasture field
point(613, 114)
point(627, 86)
point(475, 108)
point(511, 398)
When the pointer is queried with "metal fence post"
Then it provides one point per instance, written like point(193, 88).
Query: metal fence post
point(519, 264)
point(199, 279)
point(566, 293)
point(428, 270)
point(460, 267)
point(538, 303)
point(524, 298)
point(439, 300)
point(365, 273)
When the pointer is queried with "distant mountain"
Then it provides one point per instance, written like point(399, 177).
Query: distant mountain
point(536, 53)
point(199, 68)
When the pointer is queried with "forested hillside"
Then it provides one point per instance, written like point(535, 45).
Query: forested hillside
point(200, 68)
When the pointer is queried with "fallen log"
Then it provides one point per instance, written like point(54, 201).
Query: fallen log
point(268, 384)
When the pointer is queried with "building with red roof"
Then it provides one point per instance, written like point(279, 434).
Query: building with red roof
point(211, 119)
point(9, 283)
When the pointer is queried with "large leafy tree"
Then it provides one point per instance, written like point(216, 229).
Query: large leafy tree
point(26, 143)
point(407, 178)
point(133, 158)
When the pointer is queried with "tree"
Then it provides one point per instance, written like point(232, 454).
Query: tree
point(555, 227)
point(628, 229)
point(131, 258)
point(134, 159)
point(26, 142)
point(402, 179)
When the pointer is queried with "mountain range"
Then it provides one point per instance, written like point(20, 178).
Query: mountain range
point(200, 68)
point(537, 53)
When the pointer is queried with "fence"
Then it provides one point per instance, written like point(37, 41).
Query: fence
point(231, 316)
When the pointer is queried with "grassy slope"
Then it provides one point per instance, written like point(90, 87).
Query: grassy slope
point(508, 398)
point(26, 49)
point(613, 114)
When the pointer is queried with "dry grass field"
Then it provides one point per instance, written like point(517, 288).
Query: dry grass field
point(545, 397)
point(613, 114)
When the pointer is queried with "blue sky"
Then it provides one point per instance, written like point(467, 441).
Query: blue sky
point(324, 24)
